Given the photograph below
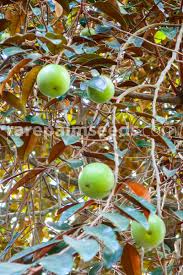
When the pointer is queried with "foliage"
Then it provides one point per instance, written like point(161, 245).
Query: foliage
point(46, 224)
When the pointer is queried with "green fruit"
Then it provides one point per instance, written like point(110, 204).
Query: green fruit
point(87, 32)
point(96, 180)
point(53, 80)
point(151, 238)
point(104, 96)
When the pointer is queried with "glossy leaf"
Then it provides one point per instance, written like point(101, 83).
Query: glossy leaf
point(111, 258)
point(12, 268)
point(59, 264)
point(134, 214)
point(179, 214)
point(87, 248)
point(105, 234)
point(31, 250)
point(118, 220)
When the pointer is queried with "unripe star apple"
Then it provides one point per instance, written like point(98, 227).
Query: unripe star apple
point(96, 180)
point(87, 32)
point(104, 96)
point(53, 80)
point(151, 238)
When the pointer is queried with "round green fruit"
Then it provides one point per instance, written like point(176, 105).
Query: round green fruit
point(104, 96)
point(87, 32)
point(53, 80)
point(151, 238)
point(96, 180)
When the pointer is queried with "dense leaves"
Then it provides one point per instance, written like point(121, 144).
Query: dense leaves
point(46, 223)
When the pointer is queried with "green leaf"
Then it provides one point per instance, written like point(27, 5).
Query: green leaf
point(95, 268)
point(111, 258)
point(135, 214)
point(160, 119)
point(12, 51)
point(13, 268)
point(71, 211)
point(160, 5)
point(118, 220)
point(36, 120)
point(59, 264)
point(75, 163)
point(169, 173)
point(159, 271)
point(170, 144)
point(105, 234)
point(159, 37)
point(58, 225)
point(31, 250)
point(17, 140)
point(142, 202)
point(97, 83)
point(170, 32)
point(85, 247)
point(121, 154)
point(136, 41)
point(36, 11)
point(179, 214)
point(143, 143)
point(68, 140)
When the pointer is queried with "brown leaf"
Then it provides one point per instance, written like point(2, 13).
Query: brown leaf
point(30, 140)
point(58, 8)
point(4, 24)
point(64, 4)
point(56, 151)
point(140, 190)
point(20, 38)
point(12, 100)
point(88, 203)
point(25, 181)
point(111, 10)
point(5, 2)
point(150, 133)
point(131, 261)
point(16, 16)
point(128, 83)
point(16, 69)
point(28, 83)
point(93, 60)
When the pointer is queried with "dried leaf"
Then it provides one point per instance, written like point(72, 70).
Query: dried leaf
point(56, 151)
point(20, 38)
point(4, 23)
point(139, 190)
point(150, 133)
point(30, 140)
point(28, 83)
point(25, 181)
point(16, 69)
point(58, 9)
point(64, 4)
point(12, 100)
point(16, 16)
point(111, 10)
point(130, 260)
